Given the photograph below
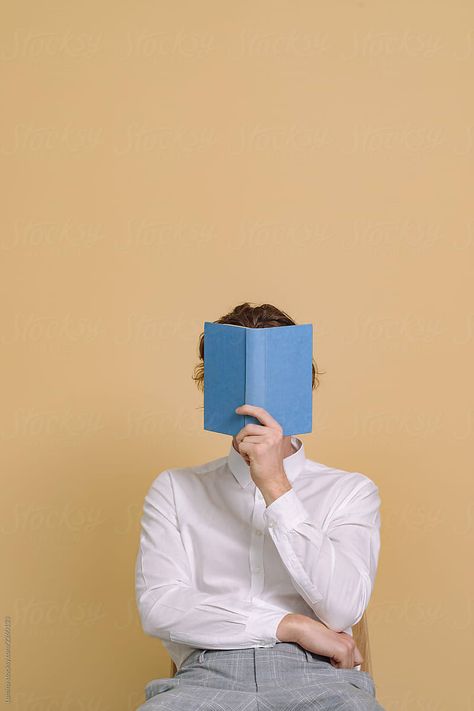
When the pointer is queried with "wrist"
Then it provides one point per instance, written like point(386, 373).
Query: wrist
point(273, 489)
point(289, 628)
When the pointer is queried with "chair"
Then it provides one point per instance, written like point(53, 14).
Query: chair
point(360, 632)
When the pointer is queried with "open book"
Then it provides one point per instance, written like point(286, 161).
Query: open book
point(270, 367)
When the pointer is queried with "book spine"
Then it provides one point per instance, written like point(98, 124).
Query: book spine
point(255, 370)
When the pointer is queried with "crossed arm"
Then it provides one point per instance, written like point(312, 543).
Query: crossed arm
point(332, 569)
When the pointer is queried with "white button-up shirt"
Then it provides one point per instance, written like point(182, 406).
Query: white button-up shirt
point(218, 569)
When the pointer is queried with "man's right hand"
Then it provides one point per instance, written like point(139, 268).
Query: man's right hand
point(314, 636)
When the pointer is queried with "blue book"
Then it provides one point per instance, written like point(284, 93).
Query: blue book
point(270, 367)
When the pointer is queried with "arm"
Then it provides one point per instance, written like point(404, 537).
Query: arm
point(333, 568)
point(316, 637)
point(170, 607)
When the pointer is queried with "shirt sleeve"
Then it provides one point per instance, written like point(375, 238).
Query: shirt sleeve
point(334, 568)
point(171, 608)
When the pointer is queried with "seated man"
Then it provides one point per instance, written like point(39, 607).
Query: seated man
point(252, 569)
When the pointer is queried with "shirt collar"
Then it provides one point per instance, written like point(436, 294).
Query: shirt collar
point(292, 464)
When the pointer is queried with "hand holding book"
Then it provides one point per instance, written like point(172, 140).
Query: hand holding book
point(262, 447)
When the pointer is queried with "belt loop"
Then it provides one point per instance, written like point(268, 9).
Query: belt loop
point(201, 656)
point(309, 658)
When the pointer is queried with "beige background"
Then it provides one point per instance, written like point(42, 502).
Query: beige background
point(164, 162)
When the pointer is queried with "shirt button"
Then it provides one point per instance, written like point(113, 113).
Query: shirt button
point(258, 532)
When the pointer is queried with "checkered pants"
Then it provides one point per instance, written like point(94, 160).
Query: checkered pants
point(285, 677)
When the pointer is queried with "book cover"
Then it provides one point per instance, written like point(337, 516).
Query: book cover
point(270, 367)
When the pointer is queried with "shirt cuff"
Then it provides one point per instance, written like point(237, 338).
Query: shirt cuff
point(286, 512)
point(263, 622)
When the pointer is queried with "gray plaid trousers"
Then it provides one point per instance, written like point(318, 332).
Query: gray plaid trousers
point(285, 677)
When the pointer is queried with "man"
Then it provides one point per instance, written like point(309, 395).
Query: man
point(252, 569)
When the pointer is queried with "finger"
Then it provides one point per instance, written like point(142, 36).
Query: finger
point(260, 413)
point(250, 429)
point(251, 439)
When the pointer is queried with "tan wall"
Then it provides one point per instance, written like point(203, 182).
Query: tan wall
point(164, 162)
